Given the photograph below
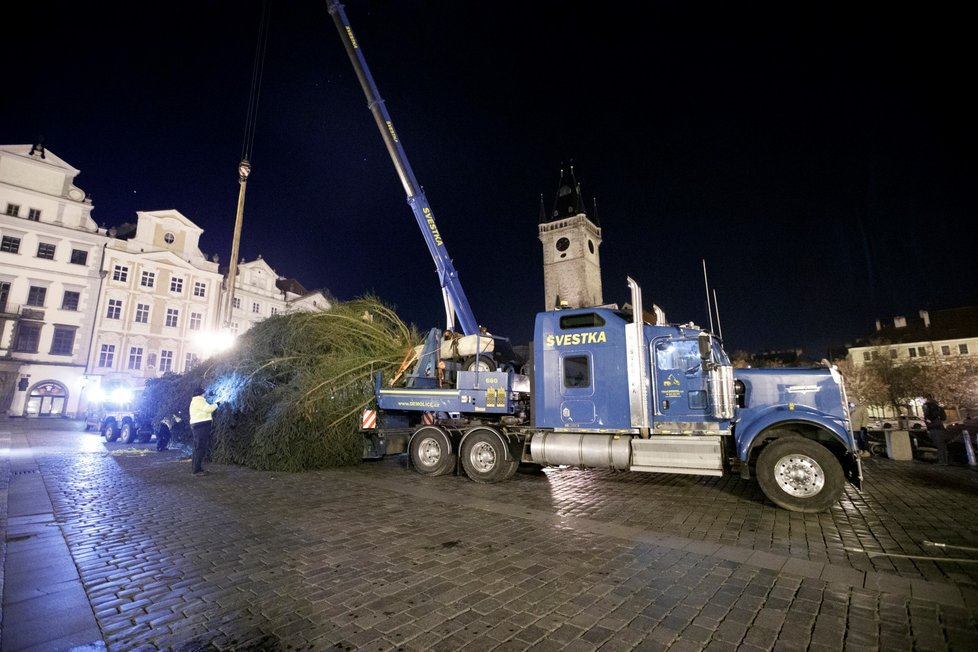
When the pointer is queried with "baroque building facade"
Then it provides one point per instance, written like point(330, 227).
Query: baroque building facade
point(49, 282)
point(84, 307)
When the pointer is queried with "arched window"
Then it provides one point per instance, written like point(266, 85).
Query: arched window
point(48, 398)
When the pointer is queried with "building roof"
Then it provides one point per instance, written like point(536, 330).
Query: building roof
point(290, 286)
point(949, 324)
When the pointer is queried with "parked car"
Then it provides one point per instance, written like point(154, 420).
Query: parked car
point(898, 423)
point(957, 427)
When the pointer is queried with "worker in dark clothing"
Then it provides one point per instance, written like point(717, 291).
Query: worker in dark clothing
point(165, 431)
point(934, 417)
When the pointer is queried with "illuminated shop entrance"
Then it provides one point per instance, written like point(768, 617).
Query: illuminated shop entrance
point(47, 399)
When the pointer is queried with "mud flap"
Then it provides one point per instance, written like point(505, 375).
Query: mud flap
point(852, 466)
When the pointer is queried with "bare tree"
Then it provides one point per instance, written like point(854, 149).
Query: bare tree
point(952, 381)
point(864, 384)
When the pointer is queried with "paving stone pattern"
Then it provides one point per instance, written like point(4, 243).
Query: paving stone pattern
point(381, 558)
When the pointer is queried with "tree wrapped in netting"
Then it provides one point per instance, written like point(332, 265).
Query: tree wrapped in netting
point(293, 387)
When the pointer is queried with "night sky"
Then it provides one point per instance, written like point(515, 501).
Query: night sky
point(820, 157)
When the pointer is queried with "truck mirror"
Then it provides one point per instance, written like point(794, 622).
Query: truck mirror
point(706, 346)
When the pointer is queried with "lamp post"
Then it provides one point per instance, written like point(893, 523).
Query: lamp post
point(244, 169)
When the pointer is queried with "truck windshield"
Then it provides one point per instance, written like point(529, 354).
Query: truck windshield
point(719, 355)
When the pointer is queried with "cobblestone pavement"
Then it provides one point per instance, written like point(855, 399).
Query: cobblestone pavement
point(380, 558)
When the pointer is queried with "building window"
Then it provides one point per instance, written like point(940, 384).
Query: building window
point(200, 289)
point(79, 257)
point(63, 341)
point(865, 356)
point(945, 349)
point(106, 355)
point(10, 244)
point(46, 250)
point(148, 279)
point(168, 238)
point(176, 285)
point(195, 320)
point(142, 313)
point(114, 311)
point(893, 354)
point(13, 209)
point(963, 349)
point(120, 273)
point(921, 351)
point(135, 357)
point(274, 310)
point(36, 296)
point(190, 361)
point(166, 361)
point(255, 307)
point(912, 351)
point(234, 328)
point(236, 302)
point(70, 300)
point(172, 315)
point(34, 214)
point(28, 337)
point(4, 295)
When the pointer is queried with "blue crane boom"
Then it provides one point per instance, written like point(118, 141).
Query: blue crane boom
point(456, 303)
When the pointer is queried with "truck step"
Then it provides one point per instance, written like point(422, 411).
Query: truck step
point(686, 455)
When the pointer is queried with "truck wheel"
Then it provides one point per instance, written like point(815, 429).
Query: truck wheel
point(431, 451)
point(479, 363)
point(800, 475)
point(128, 432)
point(110, 432)
point(484, 457)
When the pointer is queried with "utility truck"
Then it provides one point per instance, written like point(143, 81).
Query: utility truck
point(113, 413)
point(602, 388)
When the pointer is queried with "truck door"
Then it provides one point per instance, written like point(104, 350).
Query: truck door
point(576, 389)
point(677, 372)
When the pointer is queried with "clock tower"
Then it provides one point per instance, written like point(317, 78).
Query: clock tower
point(571, 261)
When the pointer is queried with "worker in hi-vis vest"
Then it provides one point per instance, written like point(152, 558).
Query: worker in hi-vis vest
point(200, 423)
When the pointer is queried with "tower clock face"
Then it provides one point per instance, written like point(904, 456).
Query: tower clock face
point(562, 244)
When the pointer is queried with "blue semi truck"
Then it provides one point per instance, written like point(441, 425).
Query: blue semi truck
point(601, 388)
point(604, 389)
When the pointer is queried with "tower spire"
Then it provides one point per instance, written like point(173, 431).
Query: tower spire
point(568, 202)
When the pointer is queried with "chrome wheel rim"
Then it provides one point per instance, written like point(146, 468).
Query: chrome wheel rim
point(799, 476)
point(482, 457)
point(429, 452)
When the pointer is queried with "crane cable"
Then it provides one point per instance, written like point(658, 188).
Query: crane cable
point(244, 167)
point(256, 77)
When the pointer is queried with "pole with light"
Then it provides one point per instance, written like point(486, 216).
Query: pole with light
point(244, 169)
